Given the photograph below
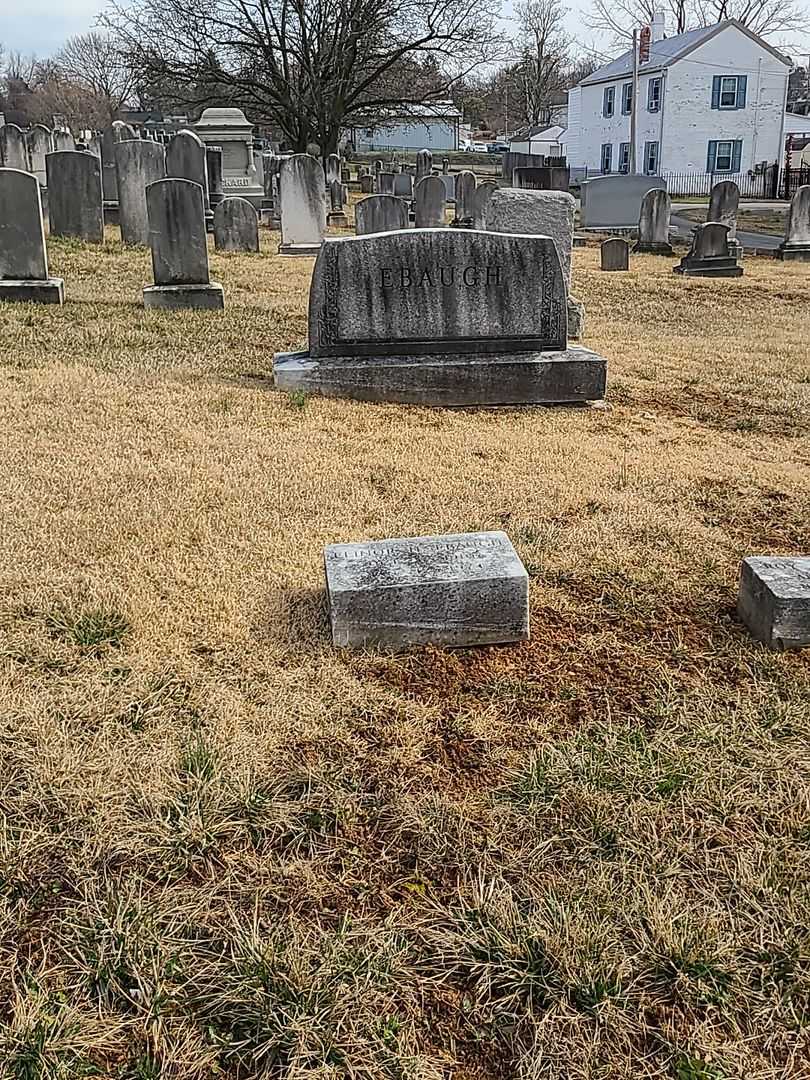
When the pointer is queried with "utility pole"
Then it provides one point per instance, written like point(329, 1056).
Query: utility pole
point(632, 164)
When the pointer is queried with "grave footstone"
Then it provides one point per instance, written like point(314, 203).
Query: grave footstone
point(38, 144)
point(615, 254)
point(74, 195)
point(177, 238)
point(13, 151)
point(796, 245)
point(380, 213)
point(455, 591)
point(653, 223)
point(774, 600)
point(236, 226)
point(23, 257)
point(465, 200)
point(385, 183)
point(428, 203)
point(186, 160)
point(337, 215)
point(138, 164)
point(709, 255)
point(449, 317)
point(483, 193)
point(424, 164)
point(614, 202)
point(303, 205)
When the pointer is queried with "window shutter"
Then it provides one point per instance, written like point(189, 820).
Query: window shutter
point(604, 101)
point(716, 92)
point(736, 155)
point(742, 81)
point(711, 157)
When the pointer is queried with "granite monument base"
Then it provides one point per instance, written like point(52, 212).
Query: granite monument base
point(774, 600)
point(299, 249)
point(533, 378)
point(337, 219)
point(49, 291)
point(793, 252)
point(111, 213)
point(719, 266)
point(208, 297)
point(642, 248)
point(456, 591)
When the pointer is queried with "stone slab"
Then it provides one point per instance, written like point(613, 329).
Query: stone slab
point(544, 213)
point(176, 297)
point(309, 250)
point(609, 202)
point(50, 291)
point(800, 253)
point(457, 590)
point(774, 600)
point(573, 375)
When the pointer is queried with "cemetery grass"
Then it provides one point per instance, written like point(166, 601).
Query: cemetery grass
point(772, 222)
point(228, 851)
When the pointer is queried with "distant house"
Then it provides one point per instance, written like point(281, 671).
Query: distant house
point(541, 140)
point(433, 126)
point(710, 100)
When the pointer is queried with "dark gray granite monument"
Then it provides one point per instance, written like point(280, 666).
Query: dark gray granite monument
point(385, 183)
point(453, 591)
point(796, 245)
point(23, 258)
point(441, 317)
point(709, 255)
point(74, 195)
point(774, 599)
point(139, 163)
point(428, 202)
point(653, 223)
point(177, 237)
point(541, 177)
point(236, 226)
point(515, 160)
point(380, 213)
point(615, 254)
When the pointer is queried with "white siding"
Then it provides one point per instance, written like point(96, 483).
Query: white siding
point(596, 129)
point(571, 145)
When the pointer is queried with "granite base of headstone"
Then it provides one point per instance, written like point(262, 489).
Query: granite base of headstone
point(774, 600)
point(615, 254)
point(441, 317)
point(178, 240)
point(709, 255)
point(454, 591)
point(23, 257)
point(796, 245)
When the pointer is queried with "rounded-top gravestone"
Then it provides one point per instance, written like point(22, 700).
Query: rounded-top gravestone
point(74, 195)
point(615, 254)
point(13, 150)
point(139, 163)
point(380, 213)
point(428, 203)
point(723, 203)
point(177, 238)
point(39, 143)
point(236, 226)
point(653, 223)
point(185, 159)
point(483, 193)
point(424, 164)
point(796, 244)
point(465, 198)
point(23, 258)
point(303, 205)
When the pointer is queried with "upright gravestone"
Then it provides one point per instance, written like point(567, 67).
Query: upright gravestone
point(483, 193)
point(796, 245)
point(512, 160)
point(614, 202)
point(186, 160)
point(13, 151)
point(177, 237)
point(723, 204)
point(139, 163)
point(63, 139)
point(615, 254)
point(709, 255)
point(403, 185)
point(445, 166)
point(74, 195)
point(465, 200)
point(213, 172)
point(653, 223)
point(774, 599)
point(23, 258)
point(428, 203)
point(303, 205)
point(541, 177)
point(385, 183)
point(236, 226)
point(441, 317)
point(367, 183)
point(424, 164)
point(380, 213)
point(337, 215)
point(38, 144)
point(332, 170)
point(116, 132)
point(229, 129)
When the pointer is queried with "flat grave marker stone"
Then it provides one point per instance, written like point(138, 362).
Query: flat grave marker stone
point(774, 599)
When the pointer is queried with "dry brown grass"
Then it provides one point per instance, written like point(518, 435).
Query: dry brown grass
point(750, 219)
point(229, 851)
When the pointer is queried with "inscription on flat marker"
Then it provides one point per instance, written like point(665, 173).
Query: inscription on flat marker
point(456, 590)
point(774, 599)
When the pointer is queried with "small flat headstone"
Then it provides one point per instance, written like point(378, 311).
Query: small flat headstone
point(774, 600)
point(457, 590)
point(615, 254)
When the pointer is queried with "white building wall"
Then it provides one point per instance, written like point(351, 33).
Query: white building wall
point(435, 134)
point(571, 139)
point(595, 129)
point(690, 121)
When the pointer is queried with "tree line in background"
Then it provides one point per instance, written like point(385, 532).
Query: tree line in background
point(308, 69)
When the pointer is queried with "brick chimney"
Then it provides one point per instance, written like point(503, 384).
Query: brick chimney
point(659, 25)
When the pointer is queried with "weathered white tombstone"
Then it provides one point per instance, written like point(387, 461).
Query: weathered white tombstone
point(186, 160)
point(724, 202)
point(38, 144)
point(367, 183)
point(139, 163)
point(615, 254)
point(380, 213)
point(332, 170)
point(177, 237)
point(403, 185)
point(385, 183)
point(116, 132)
point(774, 599)
point(614, 202)
point(337, 215)
point(63, 140)
point(424, 164)
point(653, 223)
point(13, 151)
point(483, 193)
point(457, 590)
point(796, 245)
point(23, 257)
point(465, 199)
point(445, 166)
point(230, 130)
point(428, 203)
point(303, 205)
point(236, 226)
point(709, 255)
point(74, 195)
point(451, 317)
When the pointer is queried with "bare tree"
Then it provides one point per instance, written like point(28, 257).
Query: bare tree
point(768, 18)
point(309, 67)
point(545, 46)
point(95, 62)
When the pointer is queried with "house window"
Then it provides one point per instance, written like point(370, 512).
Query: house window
point(724, 156)
point(728, 91)
point(627, 98)
point(608, 100)
point(624, 157)
point(650, 158)
point(607, 157)
point(653, 95)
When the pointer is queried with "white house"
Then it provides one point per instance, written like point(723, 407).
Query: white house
point(542, 140)
point(710, 100)
point(432, 126)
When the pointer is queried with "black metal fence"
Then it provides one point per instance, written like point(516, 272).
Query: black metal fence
point(793, 179)
point(752, 185)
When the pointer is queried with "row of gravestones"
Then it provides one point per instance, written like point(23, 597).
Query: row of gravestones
point(26, 150)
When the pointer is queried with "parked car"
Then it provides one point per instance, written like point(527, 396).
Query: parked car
point(480, 147)
point(498, 148)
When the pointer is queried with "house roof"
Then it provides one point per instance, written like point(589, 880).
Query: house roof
point(665, 52)
point(545, 133)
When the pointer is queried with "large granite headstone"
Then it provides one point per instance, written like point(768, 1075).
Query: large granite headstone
point(483, 193)
point(796, 245)
point(424, 164)
point(615, 254)
point(614, 202)
point(229, 129)
point(380, 213)
point(303, 205)
point(23, 258)
point(709, 255)
point(139, 163)
point(457, 590)
point(13, 149)
point(186, 160)
point(236, 226)
point(465, 199)
point(441, 317)
point(38, 143)
point(774, 599)
point(653, 223)
point(428, 202)
point(177, 237)
point(74, 195)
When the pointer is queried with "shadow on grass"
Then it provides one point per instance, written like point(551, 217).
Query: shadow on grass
point(296, 617)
